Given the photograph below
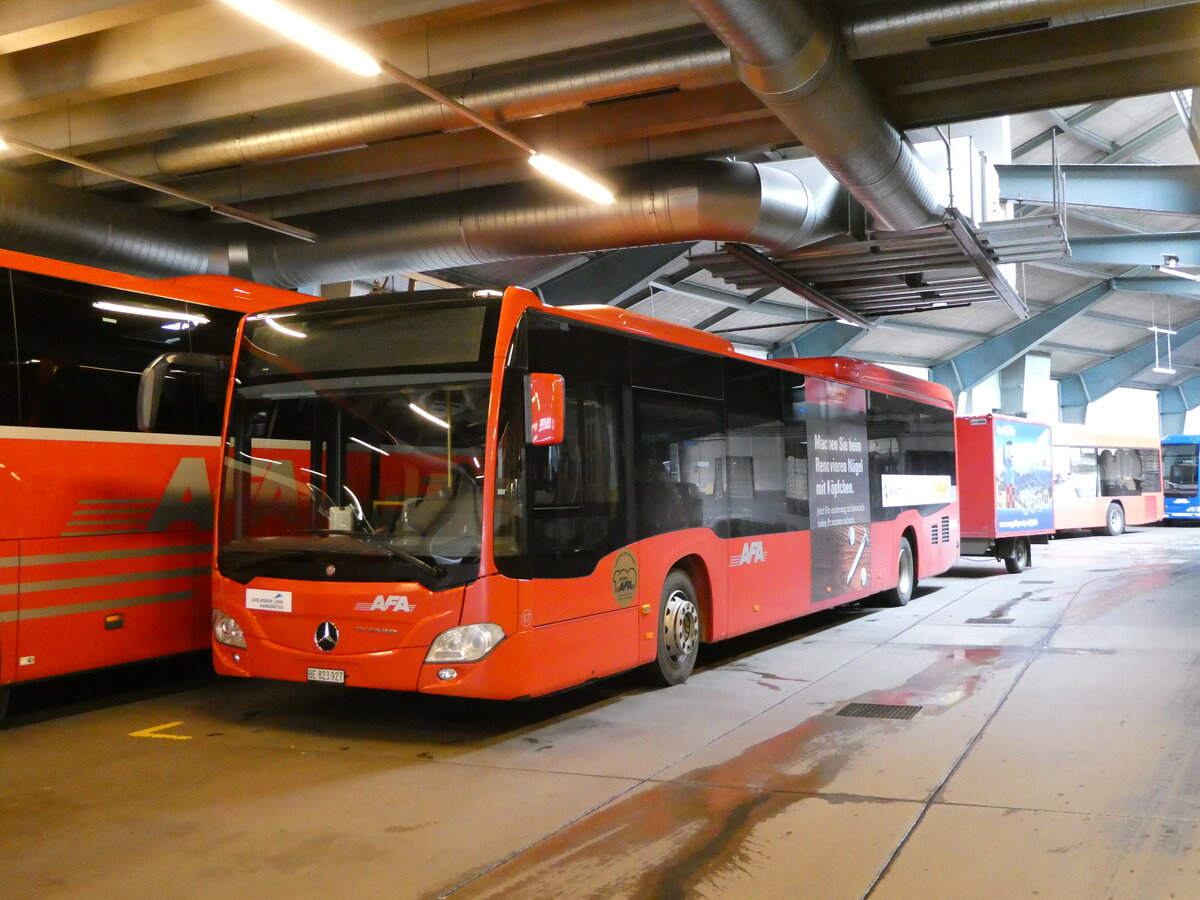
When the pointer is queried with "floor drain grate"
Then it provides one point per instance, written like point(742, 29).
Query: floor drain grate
point(879, 711)
point(988, 620)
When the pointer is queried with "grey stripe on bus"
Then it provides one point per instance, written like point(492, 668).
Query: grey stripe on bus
point(115, 502)
point(63, 584)
point(51, 559)
point(47, 612)
point(130, 521)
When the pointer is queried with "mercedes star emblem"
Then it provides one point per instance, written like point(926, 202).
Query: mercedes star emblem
point(326, 637)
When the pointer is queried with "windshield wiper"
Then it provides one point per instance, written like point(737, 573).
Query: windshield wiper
point(432, 568)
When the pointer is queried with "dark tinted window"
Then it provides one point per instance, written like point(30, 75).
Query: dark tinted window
point(574, 492)
point(679, 371)
point(905, 437)
point(71, 364)
point(795, 450)
point(680, 471)
point(756, 469)
point(1125, 472)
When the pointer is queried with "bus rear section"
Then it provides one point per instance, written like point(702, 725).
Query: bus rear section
point(1181, 493)
point(1005, 487)
point(481, 496)
point(1105, 481)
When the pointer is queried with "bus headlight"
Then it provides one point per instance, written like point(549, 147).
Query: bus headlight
point(226, 630)
point(467, 643)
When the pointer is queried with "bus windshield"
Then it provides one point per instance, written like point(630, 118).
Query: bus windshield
point(1179, 470)
point(356, 443)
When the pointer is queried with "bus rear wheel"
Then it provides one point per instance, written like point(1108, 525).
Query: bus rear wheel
point(678, 630)
point(906, 576)
point(1020, 558)
point(1114, 521)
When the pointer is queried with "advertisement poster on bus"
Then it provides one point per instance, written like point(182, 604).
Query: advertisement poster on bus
point(1023, 477)
point(839, 489)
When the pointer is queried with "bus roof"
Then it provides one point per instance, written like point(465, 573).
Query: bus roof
point(219, 291)
point(1071, 435)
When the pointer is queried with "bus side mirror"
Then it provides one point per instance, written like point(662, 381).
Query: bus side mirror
point(546, 411)
point(154, 376)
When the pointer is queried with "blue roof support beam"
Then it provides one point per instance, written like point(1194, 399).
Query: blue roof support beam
point(825, 339)
point(1138, 249)
point(968, 369)
point(1174, 403)
point(1159, 284)
point(1171, 189)
point(1076, 392)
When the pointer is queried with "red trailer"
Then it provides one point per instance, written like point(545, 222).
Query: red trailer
point(1004, 482)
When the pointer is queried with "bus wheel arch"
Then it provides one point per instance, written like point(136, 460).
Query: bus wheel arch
point(1114, 520)
point(906, 570)
point(682, 616)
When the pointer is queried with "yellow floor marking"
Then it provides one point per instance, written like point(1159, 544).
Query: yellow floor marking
point(153, 732)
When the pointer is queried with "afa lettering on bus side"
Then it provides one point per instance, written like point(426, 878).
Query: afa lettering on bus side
point(390, 603)
point(624, 578)
point(752, 552)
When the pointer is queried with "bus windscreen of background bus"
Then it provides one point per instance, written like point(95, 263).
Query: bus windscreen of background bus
point(478, 495)
point(1181, 491)
point(106, 540)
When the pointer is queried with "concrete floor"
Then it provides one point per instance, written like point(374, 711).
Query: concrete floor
point(1055, 756)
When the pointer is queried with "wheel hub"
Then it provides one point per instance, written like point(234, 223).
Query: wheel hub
point(681, 626)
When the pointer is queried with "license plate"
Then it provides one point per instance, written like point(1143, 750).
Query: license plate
point(329, 676)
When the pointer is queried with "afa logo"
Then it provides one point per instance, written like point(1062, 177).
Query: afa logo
point(752, 552)
point(390, 603)
point(625, 578)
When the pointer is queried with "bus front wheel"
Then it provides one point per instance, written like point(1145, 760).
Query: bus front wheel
point(1114, 521)
point(1020, 558)
point(906, 576)
point(678, 630)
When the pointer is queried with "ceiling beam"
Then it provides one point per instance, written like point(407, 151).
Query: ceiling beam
point(1076, 392)
point(971, 367)
point(1169, 189)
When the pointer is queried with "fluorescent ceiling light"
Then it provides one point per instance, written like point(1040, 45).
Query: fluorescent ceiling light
point(1178, 273)
point(571, 178)
point(303, 31)
point(150, 311)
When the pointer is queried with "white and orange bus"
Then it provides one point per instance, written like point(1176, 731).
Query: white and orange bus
point(471, 493)
point(1105, 481)
point(106, 537)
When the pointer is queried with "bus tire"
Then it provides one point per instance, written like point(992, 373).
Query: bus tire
point(1114, 520)
point(678, 630)
point(1020, 558)
point(906, 576)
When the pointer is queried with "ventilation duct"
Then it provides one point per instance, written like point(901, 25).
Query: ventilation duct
point(86, 228)
point(789, 53)
point(901, 26)
point(657, 204)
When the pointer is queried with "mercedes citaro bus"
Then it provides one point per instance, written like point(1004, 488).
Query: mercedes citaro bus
point(475, 494)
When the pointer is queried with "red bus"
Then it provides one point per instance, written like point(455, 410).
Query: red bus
point(1103, 481)
point(106, 540)
point(471, 493)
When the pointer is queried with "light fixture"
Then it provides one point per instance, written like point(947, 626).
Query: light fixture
point(320, 40)
point(296, 27)
point(150, 312)
point(571, 178)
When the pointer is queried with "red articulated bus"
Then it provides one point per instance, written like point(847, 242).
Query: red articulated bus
point(106, 539)
point(474, 494)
